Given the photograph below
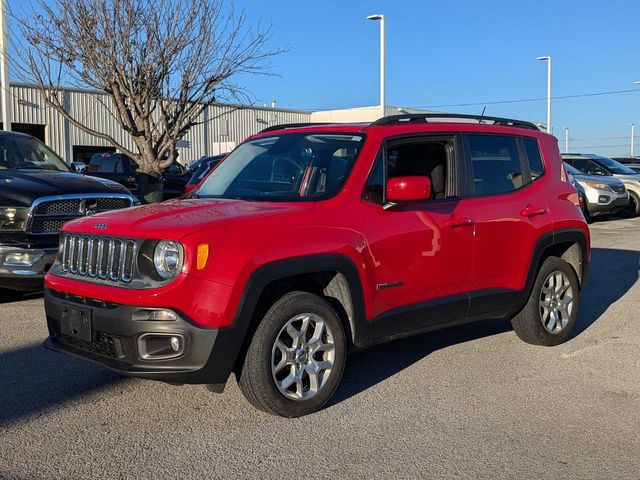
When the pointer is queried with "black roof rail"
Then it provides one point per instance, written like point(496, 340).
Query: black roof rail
point(413, 117)
point(294, 125)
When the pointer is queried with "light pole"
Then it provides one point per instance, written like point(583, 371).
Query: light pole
point(566, 140)
point(633, 131)
point(382, 59)
point(548, 60)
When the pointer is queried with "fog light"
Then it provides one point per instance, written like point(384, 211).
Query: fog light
point(155, 315)
point(603, 199)
point(160, 346)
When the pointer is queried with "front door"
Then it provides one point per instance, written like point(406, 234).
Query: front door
point(420, 253)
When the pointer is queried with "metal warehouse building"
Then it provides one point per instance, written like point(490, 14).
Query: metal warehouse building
point(222, 127)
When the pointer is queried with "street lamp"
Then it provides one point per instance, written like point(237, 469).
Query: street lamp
point(382, 58)
point(548, 60)
point(633, 131)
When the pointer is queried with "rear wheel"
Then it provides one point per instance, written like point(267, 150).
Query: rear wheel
point(550, 314)
point(296, 357)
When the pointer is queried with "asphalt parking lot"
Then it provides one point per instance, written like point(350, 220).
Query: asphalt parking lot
point(471, 401)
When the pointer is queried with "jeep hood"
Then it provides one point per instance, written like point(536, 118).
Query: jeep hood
point(174, 219)
point(19, 188)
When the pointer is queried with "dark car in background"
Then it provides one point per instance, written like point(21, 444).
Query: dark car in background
point(39, 192)
point(120, 168)
point(202, 168)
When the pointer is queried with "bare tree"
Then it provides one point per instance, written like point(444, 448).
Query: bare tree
point(160, 62)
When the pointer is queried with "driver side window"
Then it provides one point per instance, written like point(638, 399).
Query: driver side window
point(407, 158)
point(589, 167)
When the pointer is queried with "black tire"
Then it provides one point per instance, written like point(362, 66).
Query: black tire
point(256, 380)
point(528, 323)
point(585, 211)
point(633, 210)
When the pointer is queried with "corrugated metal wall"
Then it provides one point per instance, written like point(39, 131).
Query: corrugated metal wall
point(222, 126)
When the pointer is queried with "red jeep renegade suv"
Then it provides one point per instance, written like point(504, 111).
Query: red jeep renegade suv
point(309, 241)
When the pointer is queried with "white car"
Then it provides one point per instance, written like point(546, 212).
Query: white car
point(605, 168)
point(601, 195)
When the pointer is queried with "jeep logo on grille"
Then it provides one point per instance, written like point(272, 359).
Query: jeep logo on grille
point(101, 226)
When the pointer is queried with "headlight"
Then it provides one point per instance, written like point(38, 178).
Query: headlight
point(13, 219)
point(599, 186)
point(167, 258)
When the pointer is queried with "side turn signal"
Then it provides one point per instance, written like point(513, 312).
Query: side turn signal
point(202, 256)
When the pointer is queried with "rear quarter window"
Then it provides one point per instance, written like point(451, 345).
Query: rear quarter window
point(536, 167)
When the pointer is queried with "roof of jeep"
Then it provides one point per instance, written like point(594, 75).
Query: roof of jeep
point(428, 122)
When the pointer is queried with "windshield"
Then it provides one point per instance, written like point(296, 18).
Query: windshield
point(27, 153)
point(615, 167)
point(290, 167)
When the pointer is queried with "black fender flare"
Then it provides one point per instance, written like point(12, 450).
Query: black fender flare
point(231, 340)
point(547, 241)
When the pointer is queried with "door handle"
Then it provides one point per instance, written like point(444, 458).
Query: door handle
point(453, 222)
point(530, 211)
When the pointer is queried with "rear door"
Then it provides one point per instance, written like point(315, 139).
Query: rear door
point(505, 193)
point(420, 253)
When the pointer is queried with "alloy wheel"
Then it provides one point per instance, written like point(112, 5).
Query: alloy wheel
point(556, 302)
point(302, 356)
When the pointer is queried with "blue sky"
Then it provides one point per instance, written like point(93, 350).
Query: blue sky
point(464, 51)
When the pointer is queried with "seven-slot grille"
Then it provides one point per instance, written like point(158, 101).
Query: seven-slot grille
point(98, 257)
point(618, 188)
point(48, 215)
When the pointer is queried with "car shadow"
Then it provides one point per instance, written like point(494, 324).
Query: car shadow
point(34, 380)
point(613, 272)
point(10, 296)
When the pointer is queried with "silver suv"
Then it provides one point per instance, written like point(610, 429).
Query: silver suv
point(601, 195)
point(603, 167)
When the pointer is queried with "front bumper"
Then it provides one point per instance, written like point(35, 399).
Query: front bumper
point(114, 340)
point(601, 201)
point(24, 268)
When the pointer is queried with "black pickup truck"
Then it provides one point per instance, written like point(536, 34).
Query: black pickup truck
point(38, 194)
point(122, 169)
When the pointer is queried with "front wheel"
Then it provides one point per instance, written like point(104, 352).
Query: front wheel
point(633, 209)
point(296, 357)
point(550, 314)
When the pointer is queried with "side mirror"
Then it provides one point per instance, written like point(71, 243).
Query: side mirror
point(408, 189)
